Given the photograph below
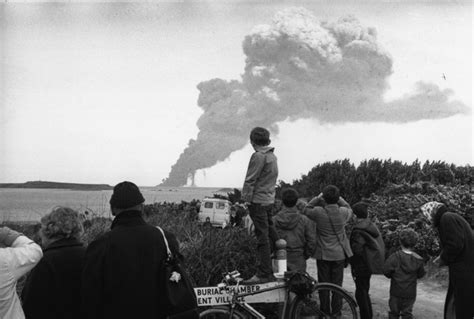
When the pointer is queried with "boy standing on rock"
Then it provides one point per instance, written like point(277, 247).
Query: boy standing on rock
point(259, 192)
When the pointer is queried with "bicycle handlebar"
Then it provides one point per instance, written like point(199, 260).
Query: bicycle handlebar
point(230, 278)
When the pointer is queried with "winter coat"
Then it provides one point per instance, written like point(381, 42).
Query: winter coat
point(331, 245)
point(457, 252)
point(53, 288)
point(368, 248)
point(262, 173)
point(123, 269)
point(17, 259)
point(299, 234)
point(404, 268)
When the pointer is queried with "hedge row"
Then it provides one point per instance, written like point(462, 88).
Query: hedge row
point(373, 175)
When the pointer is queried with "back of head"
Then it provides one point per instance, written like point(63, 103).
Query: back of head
point(126, 195)
point(360, 209)
point(408, 238)
point(331, 194)
point(289, 197)
point(260, 136)
point(61, 222)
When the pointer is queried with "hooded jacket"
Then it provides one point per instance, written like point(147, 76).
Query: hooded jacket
point(368, 248)
point(404, 268)
point(262, 173)
point(298, 231)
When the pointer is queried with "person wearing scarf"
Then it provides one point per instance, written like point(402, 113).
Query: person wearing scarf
point(457, 252)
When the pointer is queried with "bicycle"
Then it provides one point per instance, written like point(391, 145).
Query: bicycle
point(301, 295)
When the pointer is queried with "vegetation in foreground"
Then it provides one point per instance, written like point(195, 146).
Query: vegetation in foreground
point(394, 190)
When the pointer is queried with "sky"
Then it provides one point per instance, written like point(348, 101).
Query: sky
point(101, 93)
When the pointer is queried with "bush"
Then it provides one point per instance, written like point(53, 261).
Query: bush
point(398, 206)
point(94, 228)
point(218, 251)
point(371, 176)
point(208, 252)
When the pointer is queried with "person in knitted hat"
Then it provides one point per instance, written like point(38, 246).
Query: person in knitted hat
point(18, 255)
point(457, 252)
point(126, 196)
point(121, 277)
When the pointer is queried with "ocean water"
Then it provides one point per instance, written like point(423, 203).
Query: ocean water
point(31, 204)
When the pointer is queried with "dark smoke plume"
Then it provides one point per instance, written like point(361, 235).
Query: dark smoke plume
point(299, 67)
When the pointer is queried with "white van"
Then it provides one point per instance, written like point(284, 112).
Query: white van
point(215, 211)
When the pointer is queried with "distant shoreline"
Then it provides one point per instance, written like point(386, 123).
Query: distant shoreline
point(57, 185)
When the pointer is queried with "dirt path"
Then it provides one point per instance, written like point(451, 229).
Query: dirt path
point(429, 301)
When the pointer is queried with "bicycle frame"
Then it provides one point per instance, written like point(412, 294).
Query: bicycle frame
point(233, 299)
point(249, 309)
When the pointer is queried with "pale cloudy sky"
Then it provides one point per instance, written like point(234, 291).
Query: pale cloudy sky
point(100, 93)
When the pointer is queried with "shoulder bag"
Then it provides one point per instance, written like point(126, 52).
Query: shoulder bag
point(346, 257)
point(179, 293)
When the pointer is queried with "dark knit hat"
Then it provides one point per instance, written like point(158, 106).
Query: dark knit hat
point(126, 195)
point(360, 209)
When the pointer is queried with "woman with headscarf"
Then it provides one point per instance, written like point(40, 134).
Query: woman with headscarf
point(457, 252)
point(53, 287)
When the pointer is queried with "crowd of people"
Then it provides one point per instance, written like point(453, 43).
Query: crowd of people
point(320, 232)
point(119, 275)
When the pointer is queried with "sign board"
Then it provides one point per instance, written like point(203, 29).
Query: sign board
point(213, 296)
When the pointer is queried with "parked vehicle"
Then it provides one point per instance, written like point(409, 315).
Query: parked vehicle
point(215, 211)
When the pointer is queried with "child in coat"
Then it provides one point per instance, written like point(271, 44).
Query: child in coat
point(404, 268)
point(297, 230)
point(259, 193)
point(369, 256)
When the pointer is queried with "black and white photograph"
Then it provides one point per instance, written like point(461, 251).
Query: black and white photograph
point(236, 159)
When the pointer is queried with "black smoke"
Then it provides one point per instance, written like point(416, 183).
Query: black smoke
point(298, 67)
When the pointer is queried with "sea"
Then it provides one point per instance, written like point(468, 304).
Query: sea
point(29, 204)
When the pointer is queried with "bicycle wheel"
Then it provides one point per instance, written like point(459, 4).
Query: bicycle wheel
point(221, 313)
point(327, 301)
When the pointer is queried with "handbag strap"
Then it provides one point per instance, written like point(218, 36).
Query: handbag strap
point(170, 255)
point(334, 230)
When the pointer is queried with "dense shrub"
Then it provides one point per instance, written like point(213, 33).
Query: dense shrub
point(395, 190)
point(398, 206)
point(373, 175)
point(208, 252)
point(95, 227)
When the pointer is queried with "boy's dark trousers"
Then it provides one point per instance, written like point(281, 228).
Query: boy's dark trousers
point(330, 271)
point(401, 307)
point(266, 236)
point(362, 284)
